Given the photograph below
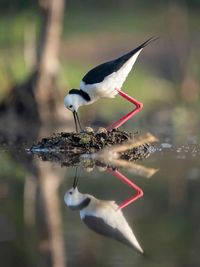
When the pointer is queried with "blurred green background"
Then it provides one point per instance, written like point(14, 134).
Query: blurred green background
point(165, 77)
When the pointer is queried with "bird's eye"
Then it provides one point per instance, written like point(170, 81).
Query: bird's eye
point(70, 106)
point(70, 192)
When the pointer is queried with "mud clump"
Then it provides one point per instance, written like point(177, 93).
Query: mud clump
point(87, 141)
point(71, 149)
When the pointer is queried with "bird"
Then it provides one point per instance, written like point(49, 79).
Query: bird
point(102, 216)
point(105, 81)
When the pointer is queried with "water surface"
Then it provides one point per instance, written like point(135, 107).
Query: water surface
point(38, 229)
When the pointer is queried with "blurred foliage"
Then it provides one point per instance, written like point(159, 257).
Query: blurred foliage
point(91, 4)
point(167, 72)
point(9, 5)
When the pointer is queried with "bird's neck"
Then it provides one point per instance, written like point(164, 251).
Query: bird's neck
point(82, 101)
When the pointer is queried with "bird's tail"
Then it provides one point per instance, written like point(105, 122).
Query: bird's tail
point(147, 42)
point(137, 49)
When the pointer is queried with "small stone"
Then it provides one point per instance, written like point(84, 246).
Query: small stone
point(102, 169)
point(88, 130)
point(89, 169)
point(101, 130)
point(84, 138)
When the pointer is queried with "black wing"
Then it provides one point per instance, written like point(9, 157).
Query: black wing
point(97, 74)
point(99, 226)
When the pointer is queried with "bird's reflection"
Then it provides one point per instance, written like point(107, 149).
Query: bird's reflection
point(102, 216)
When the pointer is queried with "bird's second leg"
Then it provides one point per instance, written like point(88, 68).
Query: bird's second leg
point(122, 120)
point(124, 179)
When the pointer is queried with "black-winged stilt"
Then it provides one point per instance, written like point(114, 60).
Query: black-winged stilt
point(102, 216)
point(105, 81)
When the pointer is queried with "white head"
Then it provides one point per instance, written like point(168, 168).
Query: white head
point(74, 100)
point(76, 200)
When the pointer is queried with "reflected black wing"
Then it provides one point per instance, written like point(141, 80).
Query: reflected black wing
point(97, 74)
point(99, 226)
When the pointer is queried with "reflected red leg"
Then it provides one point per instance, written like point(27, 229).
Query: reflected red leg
point(124, 179)
point(122, 120)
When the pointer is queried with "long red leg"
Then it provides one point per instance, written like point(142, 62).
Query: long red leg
point(124, 179)
point(122, 120)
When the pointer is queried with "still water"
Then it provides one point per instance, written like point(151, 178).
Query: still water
point(37, 228)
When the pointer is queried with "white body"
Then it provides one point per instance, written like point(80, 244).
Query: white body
point(106, 88)
point(103, 80)
point(111, 214)
point(108, 211)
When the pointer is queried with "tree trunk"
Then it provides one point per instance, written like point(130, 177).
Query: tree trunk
point(48, 49)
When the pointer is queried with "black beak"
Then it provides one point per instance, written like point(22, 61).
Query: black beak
point(76, 178)
point(76, 119)
point(74, 114)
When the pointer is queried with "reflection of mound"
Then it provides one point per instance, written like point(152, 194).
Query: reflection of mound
point(68, 148)
point(72, 159)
